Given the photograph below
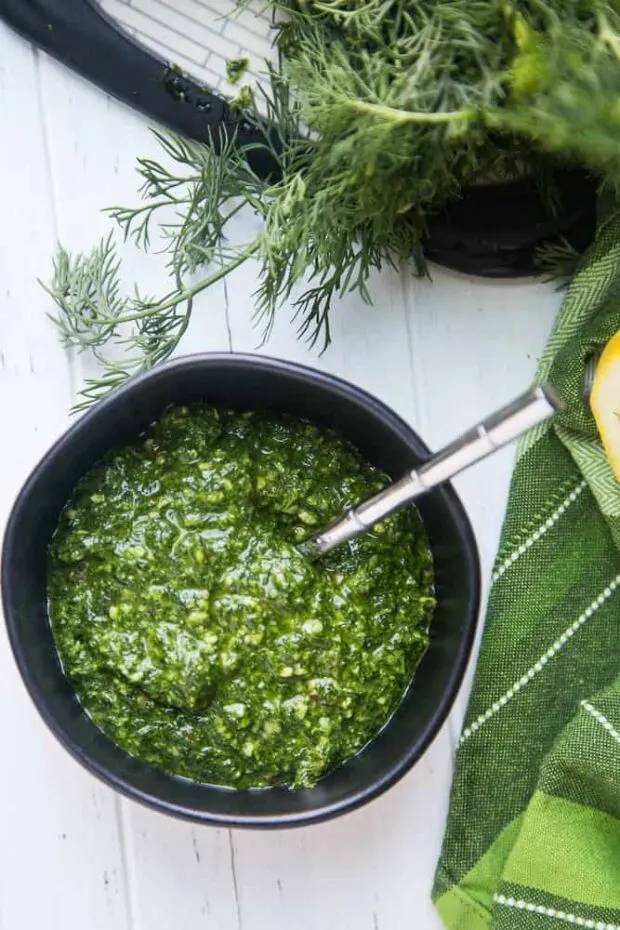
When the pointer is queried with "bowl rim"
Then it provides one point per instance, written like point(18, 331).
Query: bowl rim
point(118, 782)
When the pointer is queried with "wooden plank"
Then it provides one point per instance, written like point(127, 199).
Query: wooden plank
point(369, 870)
point(174, 874)
point(181, 875)
point(474, 345)
point(369, 343)
point(60, 856)
point(94, 143)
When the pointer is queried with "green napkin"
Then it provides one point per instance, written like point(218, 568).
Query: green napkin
point(533, 834)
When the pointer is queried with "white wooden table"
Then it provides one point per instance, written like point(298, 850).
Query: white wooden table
point(73, 856)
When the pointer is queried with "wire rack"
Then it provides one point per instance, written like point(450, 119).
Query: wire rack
point(199, 36)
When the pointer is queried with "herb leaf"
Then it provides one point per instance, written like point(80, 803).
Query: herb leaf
point(378, 113)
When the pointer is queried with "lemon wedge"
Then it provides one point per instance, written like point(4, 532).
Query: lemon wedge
point(605, 401)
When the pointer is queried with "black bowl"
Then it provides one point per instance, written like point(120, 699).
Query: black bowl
point(243, 382)
point(497, 230)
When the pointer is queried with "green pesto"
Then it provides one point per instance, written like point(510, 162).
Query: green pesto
point(193, 632)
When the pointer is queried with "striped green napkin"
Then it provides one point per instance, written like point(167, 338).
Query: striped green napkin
point(533, 834)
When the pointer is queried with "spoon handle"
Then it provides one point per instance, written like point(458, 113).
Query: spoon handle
point(501, 428)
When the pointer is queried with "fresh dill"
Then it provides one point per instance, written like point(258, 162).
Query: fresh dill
point(378, 113)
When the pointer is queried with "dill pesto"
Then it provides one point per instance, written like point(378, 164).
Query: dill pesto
point(192, 631)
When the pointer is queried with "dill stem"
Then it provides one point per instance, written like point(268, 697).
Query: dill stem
point(409, 116)
point(188, 293)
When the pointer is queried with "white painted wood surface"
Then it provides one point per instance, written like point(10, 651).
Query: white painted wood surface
point(72, 854)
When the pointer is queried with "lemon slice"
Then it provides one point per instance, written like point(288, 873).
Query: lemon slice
point(605, 401)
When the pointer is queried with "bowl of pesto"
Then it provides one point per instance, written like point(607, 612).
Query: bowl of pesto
point(175, 640)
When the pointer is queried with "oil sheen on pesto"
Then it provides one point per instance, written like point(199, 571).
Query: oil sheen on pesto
point(192, 631)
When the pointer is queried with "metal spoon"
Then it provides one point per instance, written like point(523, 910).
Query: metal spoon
point(534, 407)
point(589, 372)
